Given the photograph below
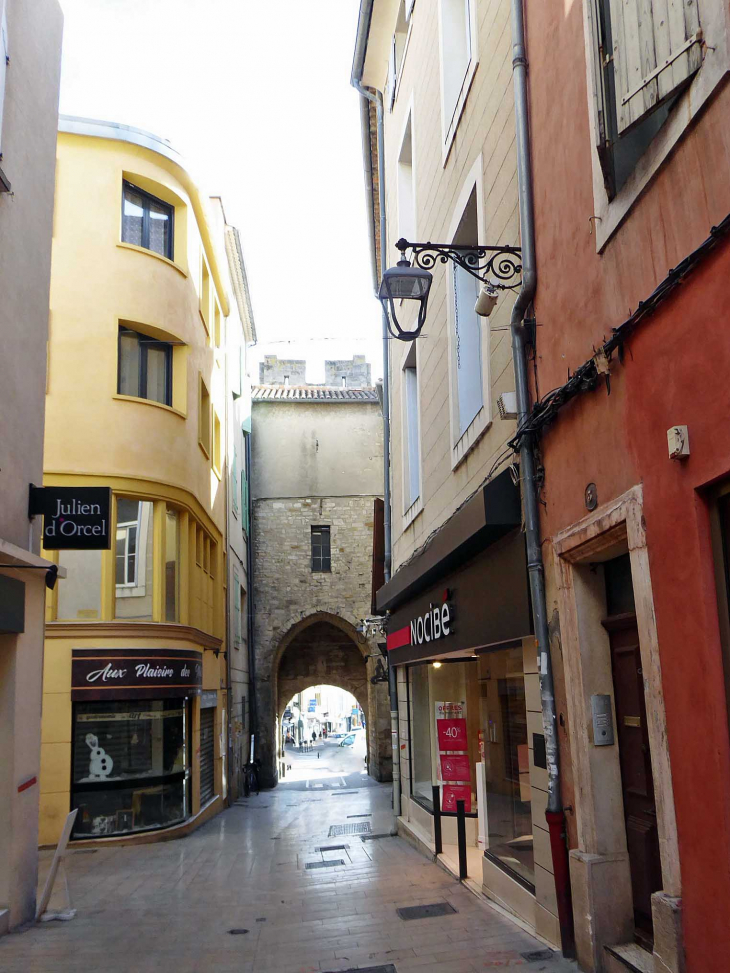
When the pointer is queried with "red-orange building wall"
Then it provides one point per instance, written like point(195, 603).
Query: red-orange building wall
point(676, 371)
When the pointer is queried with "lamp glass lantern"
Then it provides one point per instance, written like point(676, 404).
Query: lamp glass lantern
point(405, 283)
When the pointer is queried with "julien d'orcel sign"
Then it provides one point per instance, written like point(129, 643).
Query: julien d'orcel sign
point(74, 518)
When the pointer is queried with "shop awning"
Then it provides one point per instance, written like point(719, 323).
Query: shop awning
point(468, 588)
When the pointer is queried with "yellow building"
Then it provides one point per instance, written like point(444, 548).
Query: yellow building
point(134, 693)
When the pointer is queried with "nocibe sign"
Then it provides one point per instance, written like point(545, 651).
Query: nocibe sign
point(74, 518)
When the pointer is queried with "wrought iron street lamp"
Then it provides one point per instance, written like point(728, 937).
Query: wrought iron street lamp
point(407, 283)
point(496, 268)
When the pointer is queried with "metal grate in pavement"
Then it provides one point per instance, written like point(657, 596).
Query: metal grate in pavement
point(342, 792)
point(332, 848)
point(359, 815)
point(329, 864)
point(374, 837)
point(372, 969)
point(339, 829)
point(426, 911)
point(538, 954)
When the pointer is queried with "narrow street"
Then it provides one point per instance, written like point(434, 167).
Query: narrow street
point(174, 905)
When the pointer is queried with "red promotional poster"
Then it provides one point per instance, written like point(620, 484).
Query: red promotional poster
point(455, 766)
point(453, 793)
point(452, 734)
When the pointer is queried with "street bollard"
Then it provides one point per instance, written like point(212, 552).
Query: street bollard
point(461, 838)
point(436, 794)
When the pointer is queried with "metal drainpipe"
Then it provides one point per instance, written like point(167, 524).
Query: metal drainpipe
point(554, 813)
point(366, 9)
point(229, 641)
point(252, 709)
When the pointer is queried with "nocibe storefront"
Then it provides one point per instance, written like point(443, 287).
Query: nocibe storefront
point(460, 635)
point(131, 741)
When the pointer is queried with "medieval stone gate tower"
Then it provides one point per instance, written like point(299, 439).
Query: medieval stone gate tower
point(317, 469)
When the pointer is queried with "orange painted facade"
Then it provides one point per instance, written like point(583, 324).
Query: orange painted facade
point(674, 372)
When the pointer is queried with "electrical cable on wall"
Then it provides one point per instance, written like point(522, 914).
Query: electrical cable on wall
point(587, 376)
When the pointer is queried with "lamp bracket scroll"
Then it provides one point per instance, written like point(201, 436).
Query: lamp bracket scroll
point(498, 266)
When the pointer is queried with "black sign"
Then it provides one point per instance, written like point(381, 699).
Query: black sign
point(76, 518)
point(135, 673)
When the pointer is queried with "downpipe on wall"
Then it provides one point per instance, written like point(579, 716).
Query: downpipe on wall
point(366, 98)
point(554, 813)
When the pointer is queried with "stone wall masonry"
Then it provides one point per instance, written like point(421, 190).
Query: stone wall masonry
point(289, 597)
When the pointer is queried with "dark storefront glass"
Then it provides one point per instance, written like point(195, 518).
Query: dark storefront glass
point(507, 761)
point(131, 765)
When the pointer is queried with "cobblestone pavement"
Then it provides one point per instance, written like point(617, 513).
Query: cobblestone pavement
point(172, 905)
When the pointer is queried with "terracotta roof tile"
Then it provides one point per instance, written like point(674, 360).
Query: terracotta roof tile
point(311, 393)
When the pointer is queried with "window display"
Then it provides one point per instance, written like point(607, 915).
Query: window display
point(444, 733)
point(131, 765)
point(507, 761)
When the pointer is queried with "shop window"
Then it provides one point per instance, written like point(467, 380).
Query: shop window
point(134, 559)
point(321, 551)
point(507, 761)
point(420, 724)
point(204, 417)
point(172, 565)
point(448, 692)
point(131, 769)
point(144, 367)
point(147, 221)
point(79, 597)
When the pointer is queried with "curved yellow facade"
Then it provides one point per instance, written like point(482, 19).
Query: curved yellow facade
point(136, 403)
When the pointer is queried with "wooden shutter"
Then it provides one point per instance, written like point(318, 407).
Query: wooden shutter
point(4, 55)
point(656, 50)
point(234, 478)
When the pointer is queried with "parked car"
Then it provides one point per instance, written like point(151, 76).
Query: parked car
point(348, 740)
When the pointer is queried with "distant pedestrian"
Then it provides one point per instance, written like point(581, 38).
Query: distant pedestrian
point(314, 736)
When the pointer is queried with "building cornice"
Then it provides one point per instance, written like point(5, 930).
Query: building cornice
point(137, 630)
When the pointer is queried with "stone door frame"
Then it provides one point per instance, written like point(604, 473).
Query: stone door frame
point(599, 866)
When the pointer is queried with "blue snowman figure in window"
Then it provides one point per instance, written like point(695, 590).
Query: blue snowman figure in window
point(100, 764)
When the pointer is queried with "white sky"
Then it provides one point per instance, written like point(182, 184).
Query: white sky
point(256, 96)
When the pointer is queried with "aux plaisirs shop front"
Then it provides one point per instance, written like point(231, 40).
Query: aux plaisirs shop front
point(460, 635)
point(133, 722)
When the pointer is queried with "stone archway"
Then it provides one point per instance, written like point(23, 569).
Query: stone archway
point(322, 654)
point(323, 649)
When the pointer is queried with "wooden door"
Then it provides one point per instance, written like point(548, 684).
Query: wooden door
point(635, 758)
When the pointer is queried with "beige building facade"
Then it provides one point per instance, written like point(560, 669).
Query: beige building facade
point(30, 63)
point(459, 627)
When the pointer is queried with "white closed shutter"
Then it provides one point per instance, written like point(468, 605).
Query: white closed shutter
point(4, 55)
point(468, 348)
point(390, 93)
point(656, 50)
